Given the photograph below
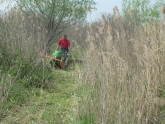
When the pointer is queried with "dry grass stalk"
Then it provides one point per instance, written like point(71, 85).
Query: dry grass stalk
point(131, 12)
point(124, 76)
point(163, 10)
point(88, 9)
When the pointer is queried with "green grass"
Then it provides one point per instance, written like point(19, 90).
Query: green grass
point(56, 105)
point(87, 119)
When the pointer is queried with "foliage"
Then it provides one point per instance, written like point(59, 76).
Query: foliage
point(22, 71)
point(20, 66)
point(142, 10)
point(57, 15)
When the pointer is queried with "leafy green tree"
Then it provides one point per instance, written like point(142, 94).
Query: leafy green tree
point(142, 9)
point(56, 15)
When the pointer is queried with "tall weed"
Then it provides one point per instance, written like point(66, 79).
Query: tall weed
point(123, 75)
point(22, 38)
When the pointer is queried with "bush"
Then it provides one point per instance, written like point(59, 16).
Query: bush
point(20, 66)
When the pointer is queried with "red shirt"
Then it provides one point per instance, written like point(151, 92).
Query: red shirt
point(64, 43)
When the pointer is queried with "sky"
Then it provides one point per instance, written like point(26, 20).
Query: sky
point(104, 6)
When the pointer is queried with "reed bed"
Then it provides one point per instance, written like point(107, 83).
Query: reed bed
point(122, 80)
point(22, 38)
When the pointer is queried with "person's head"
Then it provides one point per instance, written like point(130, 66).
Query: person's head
point(64, 36)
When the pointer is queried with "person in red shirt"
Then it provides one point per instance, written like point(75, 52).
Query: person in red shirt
point(64, 43)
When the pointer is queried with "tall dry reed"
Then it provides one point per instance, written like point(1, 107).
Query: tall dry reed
point(22, 38)
point(123, 75)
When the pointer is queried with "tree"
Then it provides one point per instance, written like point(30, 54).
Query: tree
point(56, 15)
point(142, 9)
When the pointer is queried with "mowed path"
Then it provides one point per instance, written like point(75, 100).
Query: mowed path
point(56, 105)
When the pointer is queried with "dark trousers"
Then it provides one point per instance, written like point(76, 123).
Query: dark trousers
point(64, 52)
